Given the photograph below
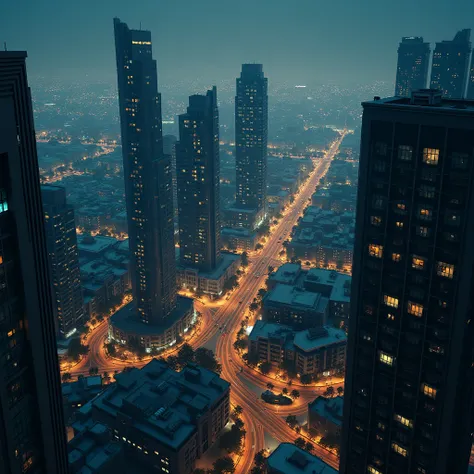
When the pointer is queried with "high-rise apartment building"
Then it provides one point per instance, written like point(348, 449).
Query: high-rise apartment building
point(470, 86)
point(412, 67)
point(449, 71)
point(409, 380)
point(198, 174)
point(32, 430)
point(147, 172)
point(251, 134)
point(169, 148)
point(157, 316)
point(64, 259)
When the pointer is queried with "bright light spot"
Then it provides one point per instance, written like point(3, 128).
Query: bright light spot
point(71, 332)
point(248, 330)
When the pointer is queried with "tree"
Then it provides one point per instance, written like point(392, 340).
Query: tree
point(291, 421)
point(224, 465)
point(198, 470)
point(284, 391)
point(244, 259)
point(253, 306)
point(270, 386)
point(259, 458)
point(93, 370)
point(270, 269)
point(251, 358)
point(75, 349)
point(238, 410)
point(240, 344)
point(110, 348)
point(295, 394)
point(258, 247)
point(257, 470)
point(309, 447)
point(66, 377)
point(261, 293)
point(306, 379)
point(172, 361)
point(185, 354)
point(206, 358)
point(231, 283)
point(329, 392)
point(265, 367)
point(340, 390)
point(300, 442)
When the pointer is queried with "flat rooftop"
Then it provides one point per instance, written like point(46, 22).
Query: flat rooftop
point(287, 273)
point(96, 244)
point(266, 330)
point(315, 338)
point(296, 297)
point(289, 459)
point(328, 408)
point(227, 260)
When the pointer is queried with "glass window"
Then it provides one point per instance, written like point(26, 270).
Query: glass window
point(396, 257)
point(426, 191)
point(418, 262)
point(399, 224)
point(445, 269)
point(403, 421)
point(398, 449)
point(386, 358)
point(422, 231)
point(426, 213)
point(381, 148)
point(372, 470)
point(428, 390)
point(3, 201)
point(430, 156)
point(415, 309)
point(391, 317)
point(375, 250)
point(405, 152)
point(452, 219)
point(460, 161)
point(378, 202)
point(379, 166)
point(375, 220)
point(390, 301)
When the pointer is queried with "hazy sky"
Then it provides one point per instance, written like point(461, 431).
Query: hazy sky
point(342, 41)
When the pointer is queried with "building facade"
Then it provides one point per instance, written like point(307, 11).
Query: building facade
point(325, 416)
point(409, 379)
point(470, 86)
point(198, 176)
point(148, 177)
point(64, 259)
point(450, 67)
point(412, 67)
point(32, 429)
point(251, 135)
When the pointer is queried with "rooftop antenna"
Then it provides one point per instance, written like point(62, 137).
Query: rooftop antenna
point(5, 45)
point(140, 26)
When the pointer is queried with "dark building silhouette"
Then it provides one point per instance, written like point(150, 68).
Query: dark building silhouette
point(470, 86)
point(64, 259)
point(412, 67)
point(169, 148)
point(197, 162)
point(157, 317)
point(449, 71)
point(32, 430)
point(409, 380)
point(147, 172)
point(251, 134)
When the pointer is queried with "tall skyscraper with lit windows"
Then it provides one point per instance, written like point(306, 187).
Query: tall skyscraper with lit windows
point(450, 68)
point(148, 177)
point(412, 67)
point(32, 428)
point(409, 391)
point(198, 175)
point(251, 136)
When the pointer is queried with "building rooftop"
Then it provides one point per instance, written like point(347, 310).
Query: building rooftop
point(227, 260)
point(264, 329)
point(339, 284)
point(328, 408)
point(287, 273)
point(164, 404)
point(97, 244)
point(315, 338)
point(296, 297)
point(289, 459)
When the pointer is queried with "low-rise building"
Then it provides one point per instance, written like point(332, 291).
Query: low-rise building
point(165, 419)
point(243, 240)
point(317, 352)
point(209, 283)
point(325, 416)
point(78, 393)
point(296, 307)
point(289, 459)
point(287, 274)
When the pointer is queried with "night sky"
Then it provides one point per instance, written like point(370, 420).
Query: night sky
point(299, 41)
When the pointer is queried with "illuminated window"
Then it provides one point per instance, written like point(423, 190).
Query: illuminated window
point(402, 420)
point(1, 259)
point(401, 206)
point(390, 301)
point(430, 156)
point(428, 390)
point(385, 358)
point(396, 257)
point(399, 224)
point(391, 317)
point(426, 214)
point(405, 152)
point(375, 250)
point(418, 262)
point(3, 201)
point(398, 449)
point(445, 270)
point(415, 309)
point(372, 470)
point(375, 220)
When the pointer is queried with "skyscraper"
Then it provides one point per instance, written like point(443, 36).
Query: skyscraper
point(64, 259)
point(147, 172)
point(251, 133)
point(449, 72)
point(169, 148)
point(470, 86)
point(32, 430)
point(157, 316)
point(412, 67)
point(409, 380)
point(198, 174)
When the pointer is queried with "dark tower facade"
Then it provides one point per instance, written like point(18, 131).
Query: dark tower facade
point(32, 429)
point(470, 86)
point(412, 67)
point(148, 177)
point(449, 71)
point(251, 134)
point(64, 259)
point(409, 382)
point(198, 174)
